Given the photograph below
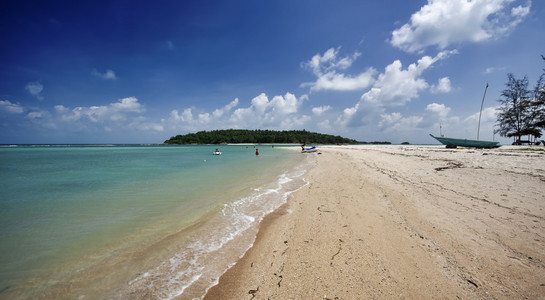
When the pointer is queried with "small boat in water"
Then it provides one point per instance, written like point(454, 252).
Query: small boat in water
point(308, 150)
point(453, 142)
point(217, 152)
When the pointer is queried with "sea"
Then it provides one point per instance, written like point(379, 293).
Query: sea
point(134, 221)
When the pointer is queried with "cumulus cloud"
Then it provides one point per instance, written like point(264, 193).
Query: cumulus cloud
point(394, 87)
point(318, 111)
point(226, 109)
point(397, 125)
point(489, 114)
point(397, 86)
point(263, 112)
point(278, 112)
point(129, 104)
point(396, 122)
point(389, 119)
point(442, 23)
point(12, 108)
point(327, 69)
point(123, 114)
point(443, 86)
point(37, 115)
point(108, 75)
point(35, 89)
point(102, 113)
point(439, 109)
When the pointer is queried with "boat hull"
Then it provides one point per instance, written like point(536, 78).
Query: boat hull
point(308, 150)
point(452, 142)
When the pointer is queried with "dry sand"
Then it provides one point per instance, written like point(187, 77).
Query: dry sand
point(415, 222)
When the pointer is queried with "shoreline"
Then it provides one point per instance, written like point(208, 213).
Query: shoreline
point(178, 235)
point(402, 222)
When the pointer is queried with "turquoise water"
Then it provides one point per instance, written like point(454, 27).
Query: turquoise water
point(133, 220)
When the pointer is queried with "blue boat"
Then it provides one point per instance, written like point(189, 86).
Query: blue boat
point(453, 142)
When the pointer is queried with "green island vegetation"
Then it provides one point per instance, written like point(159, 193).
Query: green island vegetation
point(240, 136)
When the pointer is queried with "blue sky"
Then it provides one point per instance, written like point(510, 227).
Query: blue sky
point(141, 72)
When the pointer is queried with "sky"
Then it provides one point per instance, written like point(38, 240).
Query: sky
point(123, 71)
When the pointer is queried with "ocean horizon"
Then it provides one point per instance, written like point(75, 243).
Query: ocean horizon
point(107, 221)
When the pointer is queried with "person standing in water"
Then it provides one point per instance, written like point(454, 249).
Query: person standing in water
point(256, 151)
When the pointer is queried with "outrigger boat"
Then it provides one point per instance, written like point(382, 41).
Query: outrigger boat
point(455, 142)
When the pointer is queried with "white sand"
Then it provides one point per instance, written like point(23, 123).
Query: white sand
point(383, 222)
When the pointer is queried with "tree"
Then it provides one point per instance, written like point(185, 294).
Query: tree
point(522, 111)
point(257, 136)
point(538, 101)
point(514, 116)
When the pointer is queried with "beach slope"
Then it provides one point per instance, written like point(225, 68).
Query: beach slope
point(403, 222)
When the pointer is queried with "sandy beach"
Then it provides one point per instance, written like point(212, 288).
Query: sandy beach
point(403, 222)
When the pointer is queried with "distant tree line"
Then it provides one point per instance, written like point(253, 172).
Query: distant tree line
point(234, 136)
point(522, 111)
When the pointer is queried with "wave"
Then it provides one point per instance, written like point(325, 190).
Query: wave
point(197, 266)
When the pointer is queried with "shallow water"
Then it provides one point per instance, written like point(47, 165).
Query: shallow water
point(147, 221)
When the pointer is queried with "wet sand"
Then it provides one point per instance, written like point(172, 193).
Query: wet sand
point(415, 222)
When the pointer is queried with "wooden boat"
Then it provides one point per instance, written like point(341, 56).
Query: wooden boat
point(453, 142)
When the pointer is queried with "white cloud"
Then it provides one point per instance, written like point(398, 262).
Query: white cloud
point(491, 70)
point(36, 115)
point(129, 104)
point(396, 123)
point(114, 112)
point(443, 86)
point(489, 114)
point(325, 126)
point(327, 66)
point(389, 118)
point(329, 62)
point(263, 113)
point(226, 109)
point(108, 75)
point(280, 112)
point(120, 117)
point(186, 116)
point(12, 108)
point(318, 111)
point(141, 124)
point(35, 89)
point(442, 23)
point(395, 86)
point(440, 109)
point(520, 11)
point(342, 82)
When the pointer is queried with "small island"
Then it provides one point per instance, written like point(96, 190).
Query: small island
point(240, 136)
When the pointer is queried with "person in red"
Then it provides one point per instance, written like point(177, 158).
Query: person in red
point(256, 151)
